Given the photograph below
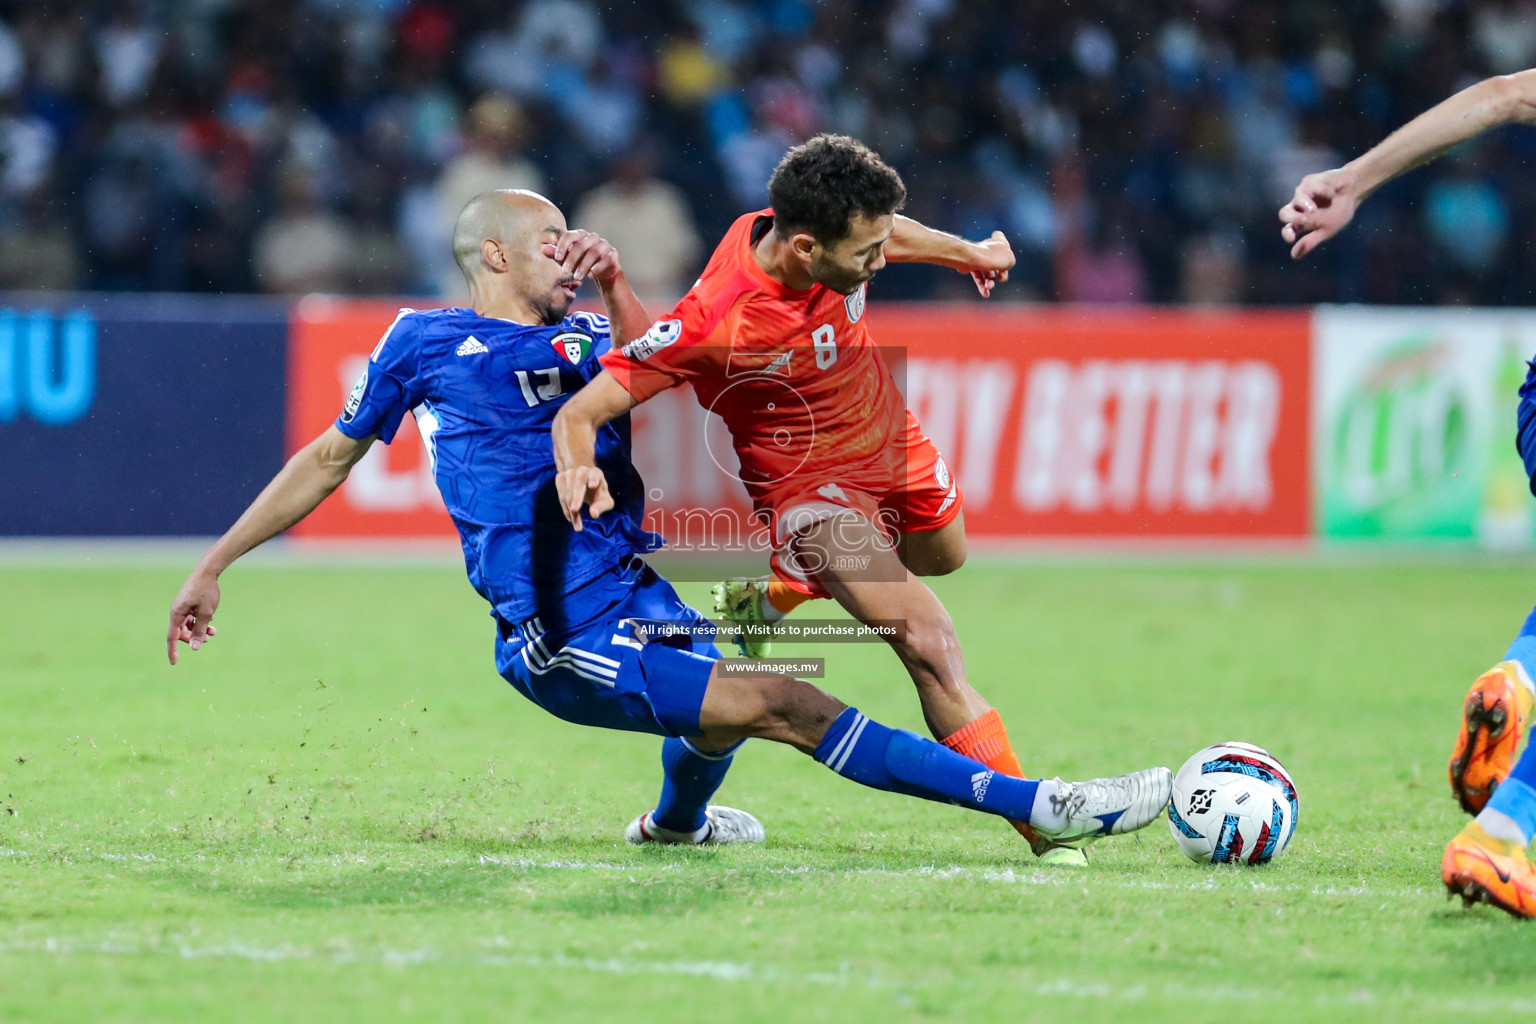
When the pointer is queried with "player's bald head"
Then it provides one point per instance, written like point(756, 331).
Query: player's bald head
point(514, 218)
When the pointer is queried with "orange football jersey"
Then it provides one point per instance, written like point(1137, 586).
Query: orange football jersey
point(802, 389)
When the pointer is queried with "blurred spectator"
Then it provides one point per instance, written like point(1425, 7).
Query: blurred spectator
point(27, 146)
point(1467, 218)
point(491, 159)
point(1105, 269)
point(1211, 273)
point(39, 252)
point(689, 73)
point(647, 220)
point(170, 130)
point(1504, 32)
point(127, 51)
point(304, 247)
point(377, 263)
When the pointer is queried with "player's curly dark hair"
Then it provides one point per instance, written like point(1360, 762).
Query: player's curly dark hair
point(821, 183)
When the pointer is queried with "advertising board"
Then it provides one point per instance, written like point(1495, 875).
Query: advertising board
point(1058, 423)
point(137, 416)
point(1414, 437)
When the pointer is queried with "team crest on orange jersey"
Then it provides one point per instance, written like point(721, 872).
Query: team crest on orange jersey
point(854, 303)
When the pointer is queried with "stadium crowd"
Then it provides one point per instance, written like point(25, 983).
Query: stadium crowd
point(1133, 150)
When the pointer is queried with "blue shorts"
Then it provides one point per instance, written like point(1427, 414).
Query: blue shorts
point(604, 673)
point(1525, 438)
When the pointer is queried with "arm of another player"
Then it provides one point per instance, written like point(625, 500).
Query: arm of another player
point(988, 261)
point(1325, 202)
point(315, 471)
point(584, 254)
point(578, 481)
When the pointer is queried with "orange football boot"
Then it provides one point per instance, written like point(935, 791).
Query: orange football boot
point(1478, 867)
point(1492, 727)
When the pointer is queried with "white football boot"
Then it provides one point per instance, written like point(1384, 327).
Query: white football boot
point(1109, 807)
point(721, 825)
point(740, 600)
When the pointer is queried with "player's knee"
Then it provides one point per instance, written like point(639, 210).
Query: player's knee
point(937, 557)
point(943, 563)
point(792, 711)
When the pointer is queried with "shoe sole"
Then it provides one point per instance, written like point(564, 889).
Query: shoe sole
point(1473, 892)
point(636, 833)
point(764, 647)
point(1063, 857)
point(1483, 727)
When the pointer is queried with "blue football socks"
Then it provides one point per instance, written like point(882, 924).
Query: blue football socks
point(1523, 649)
point(898, 761)
point(689, 778)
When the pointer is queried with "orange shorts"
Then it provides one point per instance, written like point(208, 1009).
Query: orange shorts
point(911, 492)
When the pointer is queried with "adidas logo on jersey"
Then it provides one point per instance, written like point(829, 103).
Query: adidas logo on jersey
point(471, 346)
point(779, 365)
point(979, 783)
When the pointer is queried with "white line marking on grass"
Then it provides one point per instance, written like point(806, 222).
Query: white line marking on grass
point(734, 971)
point(1207, 881)
point(1218, 880)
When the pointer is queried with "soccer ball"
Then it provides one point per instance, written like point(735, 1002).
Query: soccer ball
point(1233, 803)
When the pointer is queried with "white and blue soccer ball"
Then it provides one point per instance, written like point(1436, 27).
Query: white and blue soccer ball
point(1233, 803)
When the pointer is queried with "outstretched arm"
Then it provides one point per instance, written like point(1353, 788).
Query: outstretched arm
point(1325, 202)
point(578, 481)
point(988, 262)
point(315, 471)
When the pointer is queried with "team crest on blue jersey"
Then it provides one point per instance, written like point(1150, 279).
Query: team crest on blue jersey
point(854, 303)
point(573, 345)
point(355, 399)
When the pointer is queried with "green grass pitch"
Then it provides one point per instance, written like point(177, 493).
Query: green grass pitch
point(337, 811)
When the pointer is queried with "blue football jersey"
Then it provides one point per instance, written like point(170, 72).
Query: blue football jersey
point(484, 393)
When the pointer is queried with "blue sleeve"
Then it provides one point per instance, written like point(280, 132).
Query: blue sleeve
point(602, 341)
point(390, 385)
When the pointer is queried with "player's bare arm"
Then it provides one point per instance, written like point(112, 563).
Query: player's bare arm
point(315, 471)
point(583, 255)
point(987, 261)
point(578, 481)
point(1325, 202)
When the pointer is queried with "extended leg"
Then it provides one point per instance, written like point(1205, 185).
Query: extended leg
point(852, 559)
point(858, 748)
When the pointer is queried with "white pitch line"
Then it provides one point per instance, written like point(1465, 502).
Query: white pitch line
point(1207, 880)
point(747, 972)
point(1215, 879)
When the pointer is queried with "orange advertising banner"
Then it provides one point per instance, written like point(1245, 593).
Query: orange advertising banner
point(1059, 423)
point(1130, 423)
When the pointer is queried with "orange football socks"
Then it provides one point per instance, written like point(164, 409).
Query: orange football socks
point(986, 740)
point(785, 598)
